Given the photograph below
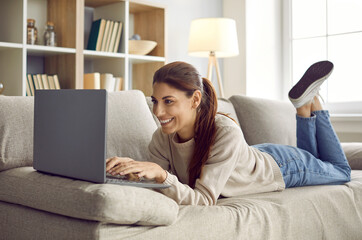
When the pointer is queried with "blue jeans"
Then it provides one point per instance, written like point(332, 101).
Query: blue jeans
point(317, 159)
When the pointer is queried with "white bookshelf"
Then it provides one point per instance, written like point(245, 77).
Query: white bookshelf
point(37, 50)
point(135, 59)
point(70, 59)
point(5, 45)
point(89, 54)
point(122, 63)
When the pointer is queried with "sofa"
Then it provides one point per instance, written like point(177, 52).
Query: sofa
point(36, 205)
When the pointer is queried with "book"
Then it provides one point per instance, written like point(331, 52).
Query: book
point(35, 81)
point(51, 82)
point(40, 82)
point(92, 81)
point(105, 35)
point(31, 84)
point(93, 35)
point(118, 37)
point(100, 34)
point(56, 81)
point(107, 82)
point(44, 79)
point(118, 84)
point(113, 37)
point(109, 36)
point(28, 92)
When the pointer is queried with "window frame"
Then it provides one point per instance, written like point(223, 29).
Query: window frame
point(337, 109)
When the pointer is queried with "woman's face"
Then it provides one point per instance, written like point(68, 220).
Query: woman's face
point(175, 111)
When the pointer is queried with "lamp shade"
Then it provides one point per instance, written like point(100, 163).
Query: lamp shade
point(213, 34)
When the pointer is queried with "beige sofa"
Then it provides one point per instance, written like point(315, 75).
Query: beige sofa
point(41, 206)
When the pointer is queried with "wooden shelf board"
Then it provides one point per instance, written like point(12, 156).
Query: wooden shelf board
point(89, 54)
point(145, 58)
point(98, 3)
point(138, 7)
point(6, 45)
point(38, 50)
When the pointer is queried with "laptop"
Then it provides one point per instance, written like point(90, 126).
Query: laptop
point(70, 129)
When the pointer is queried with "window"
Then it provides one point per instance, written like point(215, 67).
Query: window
point(332, 30)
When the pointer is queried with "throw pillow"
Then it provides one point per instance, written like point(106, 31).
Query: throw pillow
point(265, 121)
point(16, 131)
point(80, 199)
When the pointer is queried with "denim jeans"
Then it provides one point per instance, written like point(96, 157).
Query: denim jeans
point(317, 159)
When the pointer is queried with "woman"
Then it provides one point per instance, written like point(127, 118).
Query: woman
point(203, 155)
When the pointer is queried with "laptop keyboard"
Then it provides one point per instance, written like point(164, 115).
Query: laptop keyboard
point(121, 180)
point(143, 183)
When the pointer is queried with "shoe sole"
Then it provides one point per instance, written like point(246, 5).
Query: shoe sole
point(312, 78)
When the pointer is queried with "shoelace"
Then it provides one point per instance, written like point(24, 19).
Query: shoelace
point(318, 95)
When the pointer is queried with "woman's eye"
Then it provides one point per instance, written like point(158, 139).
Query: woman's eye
point(153, 101)
point(168, 101)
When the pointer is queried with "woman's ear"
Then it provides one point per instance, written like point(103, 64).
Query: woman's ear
point(196, 99)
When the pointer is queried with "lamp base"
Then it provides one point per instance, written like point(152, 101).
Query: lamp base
point(213, 62)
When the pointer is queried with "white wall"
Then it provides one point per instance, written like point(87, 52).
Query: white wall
point(264, 48)
point(260, 23)
point(234, 72)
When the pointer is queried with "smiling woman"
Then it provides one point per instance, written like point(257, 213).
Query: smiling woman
point(203, 155)
point(194, 109)
point(187, 108)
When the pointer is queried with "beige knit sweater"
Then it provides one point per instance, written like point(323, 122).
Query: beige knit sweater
point(233, 168)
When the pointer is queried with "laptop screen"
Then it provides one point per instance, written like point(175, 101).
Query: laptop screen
point(70, 133)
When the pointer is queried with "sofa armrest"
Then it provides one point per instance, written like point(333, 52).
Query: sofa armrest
point(353, 153)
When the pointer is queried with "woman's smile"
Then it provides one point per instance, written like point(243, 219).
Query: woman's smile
point(166, 121)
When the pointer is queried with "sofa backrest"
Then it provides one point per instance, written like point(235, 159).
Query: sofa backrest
point(265, 121)
point(131, 125)
point(16, 132)
point(130, 128)
point(261, 120)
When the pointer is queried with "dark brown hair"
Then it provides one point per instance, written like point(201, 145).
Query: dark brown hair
point(185, 77)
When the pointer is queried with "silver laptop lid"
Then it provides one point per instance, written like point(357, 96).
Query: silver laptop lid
point(70, 133)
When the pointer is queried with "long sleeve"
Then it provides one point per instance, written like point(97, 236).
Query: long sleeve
point(157, 150)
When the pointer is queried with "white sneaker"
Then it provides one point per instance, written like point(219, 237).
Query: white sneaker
point(309, 85)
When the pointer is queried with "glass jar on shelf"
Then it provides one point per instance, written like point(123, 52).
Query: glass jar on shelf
point(32, 36)
point(50, 38)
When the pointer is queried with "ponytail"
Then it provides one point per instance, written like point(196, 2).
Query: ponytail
point(205, 131)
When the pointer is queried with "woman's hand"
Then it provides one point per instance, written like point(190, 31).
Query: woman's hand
point(123, 166)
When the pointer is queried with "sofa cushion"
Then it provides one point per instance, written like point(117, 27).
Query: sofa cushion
point(130, 125)
point(130, 128)
point(226, 107)
point(353, 153)
point(79, 199)
point(265, 121)
point(16, 132)
point(315, 212)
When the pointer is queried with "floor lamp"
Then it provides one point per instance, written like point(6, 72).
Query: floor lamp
point(213, 38)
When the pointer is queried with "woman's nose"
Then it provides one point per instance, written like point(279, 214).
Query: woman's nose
point(158, 110)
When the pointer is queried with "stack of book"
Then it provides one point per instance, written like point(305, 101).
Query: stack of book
point(102, 81)
point(41, 81)
point(105, 35)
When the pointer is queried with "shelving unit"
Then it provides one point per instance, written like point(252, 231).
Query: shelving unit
point(70, 59)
